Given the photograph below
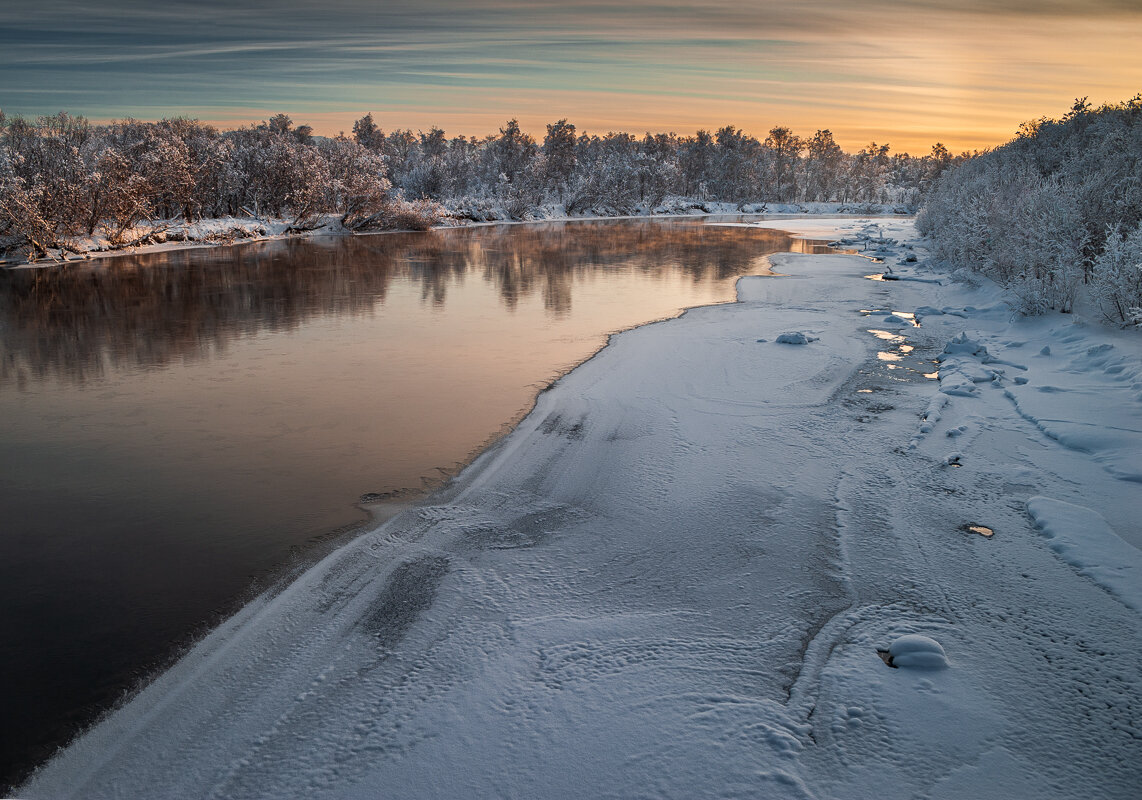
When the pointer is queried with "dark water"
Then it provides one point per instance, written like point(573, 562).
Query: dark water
point(175, 429)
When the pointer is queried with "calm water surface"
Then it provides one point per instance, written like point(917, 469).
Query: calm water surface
point(175, 428)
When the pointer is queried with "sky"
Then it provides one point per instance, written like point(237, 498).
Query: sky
point(906, 72)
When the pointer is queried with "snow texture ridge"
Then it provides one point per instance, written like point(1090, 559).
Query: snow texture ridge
point(1082, 538)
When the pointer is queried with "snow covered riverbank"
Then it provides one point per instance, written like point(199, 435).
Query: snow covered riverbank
point(163, 236)
point(675, 578)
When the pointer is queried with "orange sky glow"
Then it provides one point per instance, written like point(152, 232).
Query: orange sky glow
point(910, 73)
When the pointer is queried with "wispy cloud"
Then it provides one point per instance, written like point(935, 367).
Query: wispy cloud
point(916, 70)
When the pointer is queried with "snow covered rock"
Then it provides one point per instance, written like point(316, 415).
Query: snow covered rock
point(795, 337)
point(964, 344)
point(916, 651)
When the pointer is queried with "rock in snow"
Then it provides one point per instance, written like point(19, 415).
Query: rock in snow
point(795, 337)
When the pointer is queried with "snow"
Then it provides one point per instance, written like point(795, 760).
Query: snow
point(162, 236)
point(914, 650)
point(676, 576)
point(1082, 538)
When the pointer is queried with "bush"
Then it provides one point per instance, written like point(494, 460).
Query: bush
point(1043, 214)
point(1117, 281)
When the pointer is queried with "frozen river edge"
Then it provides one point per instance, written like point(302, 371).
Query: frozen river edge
point(674, 577)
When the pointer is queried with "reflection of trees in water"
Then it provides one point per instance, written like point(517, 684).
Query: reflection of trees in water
point(147, 311)
point(550, 258)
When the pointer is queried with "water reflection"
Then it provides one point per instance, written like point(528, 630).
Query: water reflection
point(147, 311)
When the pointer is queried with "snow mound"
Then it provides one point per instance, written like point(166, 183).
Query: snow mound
point(795, 337)
point(1083, 539)
point(961, 366)
point(965, 345)
point(919, 652)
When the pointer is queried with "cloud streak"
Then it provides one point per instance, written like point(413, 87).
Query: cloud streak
point(914, 71)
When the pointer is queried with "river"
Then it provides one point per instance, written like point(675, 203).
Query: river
point(181, 429)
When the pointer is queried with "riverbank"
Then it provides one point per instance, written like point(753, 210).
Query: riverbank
point(674, 578)
point(166, 236)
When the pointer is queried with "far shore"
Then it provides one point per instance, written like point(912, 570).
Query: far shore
point(230, 231)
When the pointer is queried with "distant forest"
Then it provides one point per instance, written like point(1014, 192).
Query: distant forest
point(1053, 215)
point(61, 176)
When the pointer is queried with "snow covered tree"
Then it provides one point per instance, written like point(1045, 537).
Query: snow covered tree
point(824, 163)
point(785, 149)
point(738, 171)
point(511, 153)
point(1117, 282)
point(367, 134)
point(559, 158)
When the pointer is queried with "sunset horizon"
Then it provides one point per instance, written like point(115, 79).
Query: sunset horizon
point(909, 74)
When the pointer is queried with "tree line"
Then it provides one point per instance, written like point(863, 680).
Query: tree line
point(61, 176)
point(1052, 212)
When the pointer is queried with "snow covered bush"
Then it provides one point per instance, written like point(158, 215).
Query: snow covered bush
point(357, 187)
point(404, 215)
point(1117, 279)
point(1042, 215)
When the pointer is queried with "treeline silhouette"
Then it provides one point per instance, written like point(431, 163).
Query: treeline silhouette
point(62, 177)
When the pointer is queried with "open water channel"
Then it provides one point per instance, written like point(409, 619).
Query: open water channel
point(178, 430)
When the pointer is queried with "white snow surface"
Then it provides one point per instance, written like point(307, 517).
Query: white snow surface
point(1082, 538)
point(672, 580)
